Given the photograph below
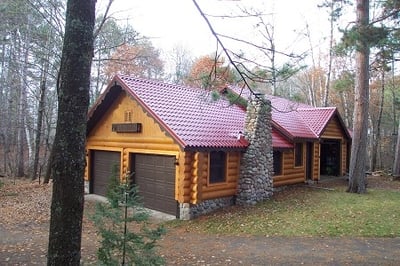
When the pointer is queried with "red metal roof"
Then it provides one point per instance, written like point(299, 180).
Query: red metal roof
point(295, 120)
point(279, 141)
point(317, 118)
point(196, 121)
point(189, 114)
point(285, 116)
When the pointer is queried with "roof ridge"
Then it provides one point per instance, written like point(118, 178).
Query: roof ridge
point(317, 108)
point(157, 82)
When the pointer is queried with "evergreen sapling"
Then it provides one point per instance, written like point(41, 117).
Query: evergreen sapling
point(127, 238)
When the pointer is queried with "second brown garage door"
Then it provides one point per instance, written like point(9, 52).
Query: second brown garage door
point(155, 177)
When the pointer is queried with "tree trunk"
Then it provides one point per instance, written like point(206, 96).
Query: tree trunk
point(357, 180)
point(311, 94)
point(22, 140)
point(376, 143)
point(68, 156)
point(345, 107)
point(39, 123)
point(3, 108)
point(396, 163)
point(330, 59)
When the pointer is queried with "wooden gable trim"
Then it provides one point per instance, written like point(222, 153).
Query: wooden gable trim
point(101, 106)
point(341, 123)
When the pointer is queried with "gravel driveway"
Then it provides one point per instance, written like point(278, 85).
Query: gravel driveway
point(24, 222)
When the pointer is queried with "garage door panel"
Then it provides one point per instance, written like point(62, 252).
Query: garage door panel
point(103, 163)
point(155, 178)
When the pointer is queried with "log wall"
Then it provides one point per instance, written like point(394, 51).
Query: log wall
point(151, 140)
point(316, 160)
point(191, 178)
point(290, 173)
point(196, 186)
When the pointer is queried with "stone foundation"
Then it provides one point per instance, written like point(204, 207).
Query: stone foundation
point(184, 211)
point(87, 184)
point(190, 211)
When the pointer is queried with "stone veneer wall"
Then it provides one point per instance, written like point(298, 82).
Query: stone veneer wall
point(190, 211)
point(256, 168)
point(208, 206)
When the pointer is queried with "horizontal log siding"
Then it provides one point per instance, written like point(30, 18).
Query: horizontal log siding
point(227, 188)
point(333, 130)
point(186, 180)
point(316, 158)
point(195, 183)
point(116, 114)
point(152, 140)
point(197, 177)
point(290, 173)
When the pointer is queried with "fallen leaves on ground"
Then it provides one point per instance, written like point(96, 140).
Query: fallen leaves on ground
point(24, 223)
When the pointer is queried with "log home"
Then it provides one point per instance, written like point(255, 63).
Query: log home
point(308, 142)
point(190, 154)
point(319, 143)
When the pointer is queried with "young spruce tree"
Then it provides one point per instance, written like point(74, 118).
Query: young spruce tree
point(123, 225)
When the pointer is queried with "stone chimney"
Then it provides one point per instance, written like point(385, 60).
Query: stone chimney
point(255, 181)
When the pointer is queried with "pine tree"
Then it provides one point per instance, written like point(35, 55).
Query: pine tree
point(127, 238)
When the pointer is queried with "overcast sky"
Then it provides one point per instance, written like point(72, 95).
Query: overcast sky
point(177, 22)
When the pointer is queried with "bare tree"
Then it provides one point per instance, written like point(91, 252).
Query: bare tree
point(335, 11)
point(182, 63)
point(109, 36)
point(260, 66)
point(376, 119)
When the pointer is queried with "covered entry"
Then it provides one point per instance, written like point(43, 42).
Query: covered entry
point(155, 177)
point(330, 157)
point(103, 163)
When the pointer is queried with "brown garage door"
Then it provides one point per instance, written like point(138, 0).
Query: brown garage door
point(102, 167)
point(155, 177)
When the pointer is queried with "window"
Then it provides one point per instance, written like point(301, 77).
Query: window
point(277, 162)
point(217, 161)
point(298, 154)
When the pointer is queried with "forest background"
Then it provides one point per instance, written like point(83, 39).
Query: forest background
point(322, 74)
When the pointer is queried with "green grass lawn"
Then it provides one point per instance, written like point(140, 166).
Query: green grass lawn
point(310, 212)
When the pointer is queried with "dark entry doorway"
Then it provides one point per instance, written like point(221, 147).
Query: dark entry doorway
point(330, 157)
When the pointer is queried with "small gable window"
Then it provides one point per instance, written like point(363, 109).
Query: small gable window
point(217, 163)
point(277, 162)
point(298, 154)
